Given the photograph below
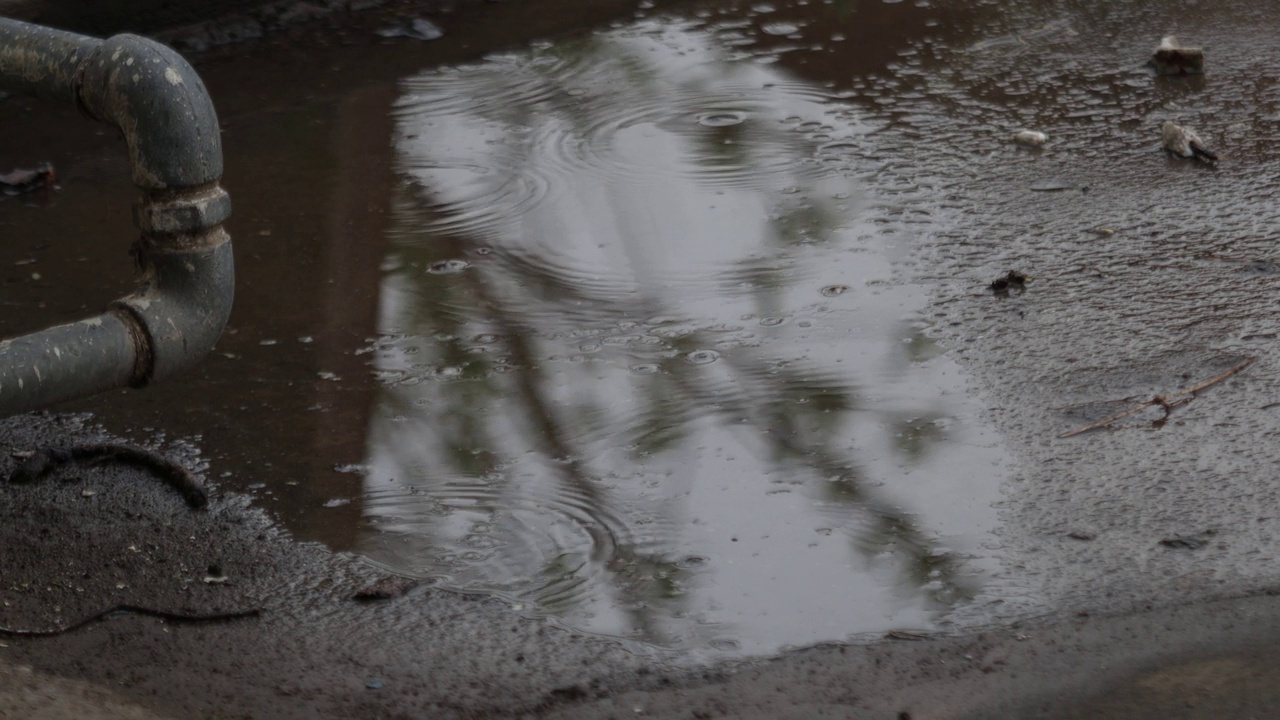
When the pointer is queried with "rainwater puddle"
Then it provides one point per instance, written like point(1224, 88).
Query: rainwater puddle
point(648, 364)
point(620, 328)
point(655, 330)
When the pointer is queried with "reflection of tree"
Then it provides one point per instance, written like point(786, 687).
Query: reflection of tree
point(793, 412)
point(796, 416)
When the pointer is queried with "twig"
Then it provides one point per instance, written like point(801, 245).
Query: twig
point(136, 610)
point(1181, 397)
point(43, 461)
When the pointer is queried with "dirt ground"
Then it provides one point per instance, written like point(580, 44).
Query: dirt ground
point(122, 602)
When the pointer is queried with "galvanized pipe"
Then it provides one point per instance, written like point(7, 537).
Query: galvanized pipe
point(177, 313)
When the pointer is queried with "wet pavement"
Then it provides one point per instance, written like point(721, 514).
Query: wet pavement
point(675, 328)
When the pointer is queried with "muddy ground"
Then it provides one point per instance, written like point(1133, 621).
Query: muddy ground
point(122, 599)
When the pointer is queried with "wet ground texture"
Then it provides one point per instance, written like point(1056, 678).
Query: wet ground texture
point(680, 326)
point(213, 613)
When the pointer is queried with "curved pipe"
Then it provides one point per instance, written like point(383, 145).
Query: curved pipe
point(177, 313)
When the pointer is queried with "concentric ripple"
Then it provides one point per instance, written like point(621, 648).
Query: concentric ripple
point(503, 152)
point(727, 135)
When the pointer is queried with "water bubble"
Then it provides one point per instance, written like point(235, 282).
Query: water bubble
point(721, 119)
point(448, 267)
point(780, 28)
point(702, 357)
point(838, 147)
point(620, 340)
point(644, 369)
point(691, 562)
point(833, 290)
point(772, 321)
point(484, 338)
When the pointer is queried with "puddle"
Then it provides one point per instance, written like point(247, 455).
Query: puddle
point(680, 393)
point(624, 328)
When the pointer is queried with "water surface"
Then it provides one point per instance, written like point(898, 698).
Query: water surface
point(647, 364)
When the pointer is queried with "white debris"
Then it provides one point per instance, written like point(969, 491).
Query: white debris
point(1030, 138)
point(1184, 142)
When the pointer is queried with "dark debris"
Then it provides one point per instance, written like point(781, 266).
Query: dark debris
point(1011, 281)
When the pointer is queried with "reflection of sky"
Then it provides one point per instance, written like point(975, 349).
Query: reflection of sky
point(671, 391)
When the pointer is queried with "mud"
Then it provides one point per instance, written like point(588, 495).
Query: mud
point(131, 588)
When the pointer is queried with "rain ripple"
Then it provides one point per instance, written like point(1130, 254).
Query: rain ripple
point(549, 541)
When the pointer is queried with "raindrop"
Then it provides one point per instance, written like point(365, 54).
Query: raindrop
point(484, 339)
point(721, 119)
point(1052, 185)
point(725, 644)
point(448, 267)
point(692, 561)
point(702, 357)
point(772, 321)
point(644, 369)
point(833, 290)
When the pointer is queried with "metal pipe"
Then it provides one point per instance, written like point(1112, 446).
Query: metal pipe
point(177, 313)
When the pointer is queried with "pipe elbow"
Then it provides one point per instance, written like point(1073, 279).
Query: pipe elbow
point(161, 106)
point(156, 99)
point(181, 307)
point(183, 301)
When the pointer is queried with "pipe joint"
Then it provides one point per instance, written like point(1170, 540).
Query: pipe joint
point(182, 305)
point(185, 213)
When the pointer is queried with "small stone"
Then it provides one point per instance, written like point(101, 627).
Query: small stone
point(1170, 58)
point(388, 587)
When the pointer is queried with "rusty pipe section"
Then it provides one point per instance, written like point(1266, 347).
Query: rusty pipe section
point(180, 307)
